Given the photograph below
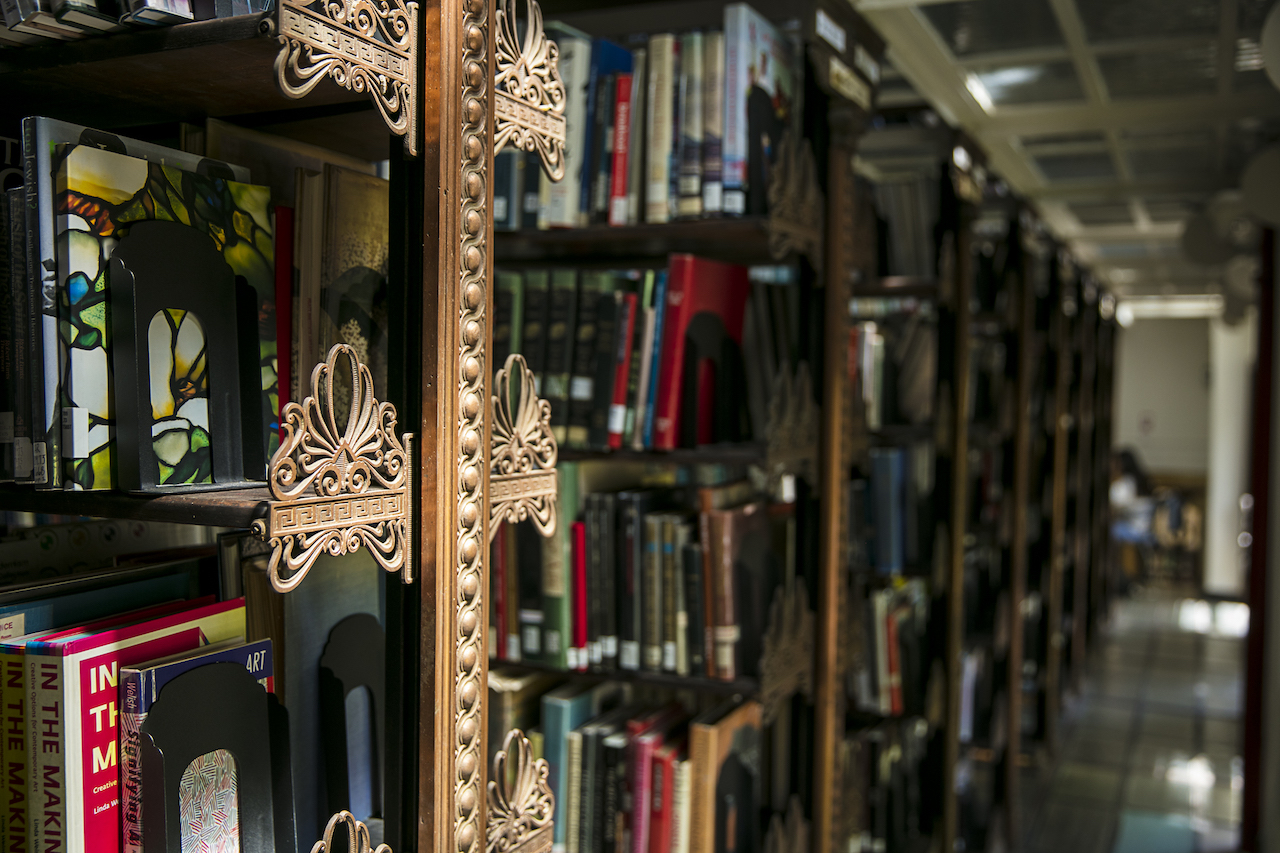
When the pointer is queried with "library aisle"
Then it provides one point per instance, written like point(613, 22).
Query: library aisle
point(1150, 760)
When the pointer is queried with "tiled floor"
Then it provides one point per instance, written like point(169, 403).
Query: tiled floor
point(1150, 754)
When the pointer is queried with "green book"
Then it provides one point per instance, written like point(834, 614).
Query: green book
point(557, 572)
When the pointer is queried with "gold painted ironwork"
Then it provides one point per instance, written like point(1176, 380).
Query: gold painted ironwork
point(792, 430)
point(341, 480)
point(529, 94)
point(786, 665)
point(521, 805)
point(358, 840)
point(522, 474)
point(362, 45)
point(796, 204)
point(789, 834)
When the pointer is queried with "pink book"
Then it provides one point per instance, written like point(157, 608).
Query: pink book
point(74, 685)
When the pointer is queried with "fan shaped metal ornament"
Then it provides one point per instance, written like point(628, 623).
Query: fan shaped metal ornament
point(786, 665)
point(529, 96)
point(796, 204)
point(522, 473)
point(792, 428)
point(521, 806)
point(341, 479)
point(362, 45)
point(358, 840)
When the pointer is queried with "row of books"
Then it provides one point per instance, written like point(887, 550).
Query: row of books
point(39, 21)
point(893, 365)
point(891, 514)
point(682, 127)
point(891, 676)
point(636, 776)
point(69, 326)
point(889, 800)
point(649, 359)
point(653, 579)
point(908, 215)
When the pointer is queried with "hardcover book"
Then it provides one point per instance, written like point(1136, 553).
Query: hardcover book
point(725, 750)
point(663, 53)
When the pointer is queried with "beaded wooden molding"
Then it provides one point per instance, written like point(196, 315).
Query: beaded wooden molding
point(792, 430)
point(529, 96)
point(522, 466)
point(341, 480)
point(362, 45)
point(521, 806)
point(786, 664)
point(358, 840)
point(796, 204)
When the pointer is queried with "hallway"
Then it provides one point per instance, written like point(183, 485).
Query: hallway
point(1150, 759)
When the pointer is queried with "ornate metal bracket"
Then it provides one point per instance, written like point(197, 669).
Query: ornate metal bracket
point(521, 805)
point(363, 45)
point(522, 473)
point(792, 430)
point(357, 471)
point(358, 840)
point(796, 205)
point(529, 94)
point(789, 834)
point(786, 666)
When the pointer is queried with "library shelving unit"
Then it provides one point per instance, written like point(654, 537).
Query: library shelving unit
point(141, 84)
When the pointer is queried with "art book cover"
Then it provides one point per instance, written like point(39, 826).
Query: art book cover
point(140, 687)
point(760, 97)
point(100, 193)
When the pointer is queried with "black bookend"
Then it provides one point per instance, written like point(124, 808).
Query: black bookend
point(217, 707)
point(354, 657)
point(706, 340)
point(253, 442)
point(180, 402)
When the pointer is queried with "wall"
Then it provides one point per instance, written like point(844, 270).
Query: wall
point(1231, 360)
point(1162, 394)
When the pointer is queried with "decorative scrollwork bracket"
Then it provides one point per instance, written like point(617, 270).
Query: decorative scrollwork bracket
point(521, 806)
point(529, 96)
point(358, 840)
point(786, 666)
point(795, 202)
point(522, 474)
point(792, 429)
point(362, 45)
point(338, 484)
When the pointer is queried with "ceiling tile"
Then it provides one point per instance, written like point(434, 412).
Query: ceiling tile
point(1071, 138)
point(1076, 167)
point(983, 26)
point(1102, 214)
point(1171, 162)
point(1170, 208)
point(1108, 20)
point(1167, 73)
point(1029, 84)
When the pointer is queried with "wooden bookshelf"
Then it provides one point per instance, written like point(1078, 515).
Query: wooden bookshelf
point(224, 508)
point(746, 687)
point(740, 240)
point(711, 454)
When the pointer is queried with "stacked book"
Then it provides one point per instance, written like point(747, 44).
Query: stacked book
point(887, 781)
point(675, 580)
point(682, 126)
point(41, 21)
point(891, 626)
point(649, 359)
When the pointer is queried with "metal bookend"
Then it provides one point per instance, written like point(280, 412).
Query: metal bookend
point(792, 429)
point(522, 472)
point(340, 479)
point(521, 806)
point(786, 665)
point(358, 840)
point(796, 205)
point(529, 94)
point(363, 45)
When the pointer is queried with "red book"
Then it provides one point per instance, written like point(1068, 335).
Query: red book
point(895, 670)
point(578, 651)
point(621, 152)
point(622, 373)
point(499, 593)
point(663, 799)
point(695, 287)
point(645, 735)
point(284, 306)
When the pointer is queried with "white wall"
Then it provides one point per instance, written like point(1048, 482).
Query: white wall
point(1232, 350)
point(1162, 394)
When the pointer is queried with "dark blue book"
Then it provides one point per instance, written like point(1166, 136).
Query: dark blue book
point(888, 473)
point(659, 314)
point(606, 58)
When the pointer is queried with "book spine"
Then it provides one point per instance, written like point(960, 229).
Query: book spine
point(561, 320)
point(637, 137)
point(727, 631)
point(602, 166)
point(642, 750)
point(8, 319)
point(712, 123)
point(655, 355)
point(638, 384)
point(611, 813)
point(692, 82)
point(694, 606)
point(734, 146)
point(660, 804)
point(894, 664)
point(46, 712)
point(651, 624)
point(506, 189)
point(533, 332)
point(46, 423)
point(531, 179)
point(630, 614)
point(512, 594)
point(284, 305)
point(557, 579)
point(16, 797)
point(620, 163)
point(681, 807)
point(131, 717)
point(660, 123)
point(593, 121)
point(669, 354)
point(573, 794)
point(681, 606)
point(586, 339)
point(609, 581)
point(624, 329)
point(670, 647)
point(498, 594)
point(879, 605)
point(586, 821)
point(579, 653)
point(702, 755)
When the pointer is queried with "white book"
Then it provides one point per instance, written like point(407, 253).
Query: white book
point(712, 123)
point(682, 807)
point(560, 209)
point(689, 156)
point(660, 127)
